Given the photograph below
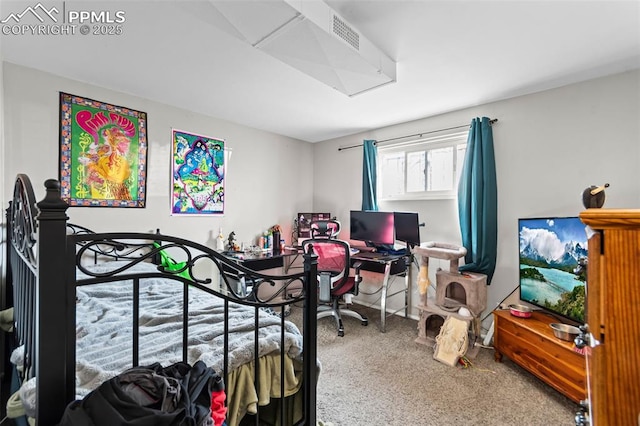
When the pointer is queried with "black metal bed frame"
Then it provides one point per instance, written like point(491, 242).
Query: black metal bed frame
point(42, 260)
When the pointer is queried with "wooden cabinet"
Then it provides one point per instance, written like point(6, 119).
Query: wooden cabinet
point(613, 316)
point(530, 343)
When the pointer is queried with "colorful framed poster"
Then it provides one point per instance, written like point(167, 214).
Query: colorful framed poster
point(103, 153)
point(197, 174)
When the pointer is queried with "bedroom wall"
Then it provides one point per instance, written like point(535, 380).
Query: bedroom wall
point(549, 146)
point(256, 196)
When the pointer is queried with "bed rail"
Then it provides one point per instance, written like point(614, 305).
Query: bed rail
point(44, 260)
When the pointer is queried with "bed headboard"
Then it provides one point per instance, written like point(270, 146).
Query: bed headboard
point(22, 218)
point(21, 236)
point(36, 228)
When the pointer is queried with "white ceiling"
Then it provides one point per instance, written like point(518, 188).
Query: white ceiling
point(450, 55)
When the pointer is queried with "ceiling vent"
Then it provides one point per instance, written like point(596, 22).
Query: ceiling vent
point(345, 32)
point(311, 37)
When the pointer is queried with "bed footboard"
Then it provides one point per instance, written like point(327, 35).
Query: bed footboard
point(46, 266)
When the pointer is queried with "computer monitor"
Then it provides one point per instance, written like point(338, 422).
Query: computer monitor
point(373, 227)
point(407, 227)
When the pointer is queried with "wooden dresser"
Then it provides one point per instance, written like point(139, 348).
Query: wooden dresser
point(613, 317)
point(530, 343)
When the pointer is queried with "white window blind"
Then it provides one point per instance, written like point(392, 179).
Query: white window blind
point(424, 168)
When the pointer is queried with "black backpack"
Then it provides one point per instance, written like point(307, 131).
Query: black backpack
point(177, 395)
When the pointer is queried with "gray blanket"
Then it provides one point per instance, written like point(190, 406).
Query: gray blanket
point(104, 328)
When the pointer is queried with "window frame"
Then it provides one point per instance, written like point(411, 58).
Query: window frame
point(452, 139)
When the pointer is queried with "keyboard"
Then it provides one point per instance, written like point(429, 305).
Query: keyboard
point(370, 255)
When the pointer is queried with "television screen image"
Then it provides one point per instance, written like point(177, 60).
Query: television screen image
point(407, 227)
point(373, 227)
point(551, 250)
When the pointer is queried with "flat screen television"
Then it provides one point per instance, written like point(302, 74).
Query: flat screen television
point(407, 227)
point(373, 227)
point(550, 252)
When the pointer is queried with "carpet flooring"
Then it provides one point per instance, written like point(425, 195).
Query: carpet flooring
point(386, 379)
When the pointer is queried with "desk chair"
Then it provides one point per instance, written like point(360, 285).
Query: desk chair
point(336, 285)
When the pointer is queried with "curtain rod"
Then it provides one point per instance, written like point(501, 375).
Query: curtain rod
point(417, 134)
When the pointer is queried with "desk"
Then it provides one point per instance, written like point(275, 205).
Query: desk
point(392, 266)
point(259, 262)
point(265, 260)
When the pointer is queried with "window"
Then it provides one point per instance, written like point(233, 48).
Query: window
point(421, 169)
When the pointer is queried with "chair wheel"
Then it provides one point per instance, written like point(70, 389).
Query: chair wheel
point(364, 322)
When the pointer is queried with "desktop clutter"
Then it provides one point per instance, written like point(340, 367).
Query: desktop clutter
point(450, 322)
point(269, 240)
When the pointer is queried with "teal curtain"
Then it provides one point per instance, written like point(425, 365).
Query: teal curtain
point(369, 186)
point(478, 200)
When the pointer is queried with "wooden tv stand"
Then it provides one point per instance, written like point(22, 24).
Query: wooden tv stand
point(530, 343)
